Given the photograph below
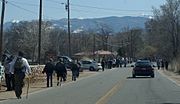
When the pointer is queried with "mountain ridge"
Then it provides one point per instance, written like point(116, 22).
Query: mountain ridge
point(113, 22)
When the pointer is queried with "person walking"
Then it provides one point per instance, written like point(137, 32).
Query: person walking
point(158, 64)
point(60, 71)
point(19, 67)
point(166, 64)
point(75, 71)
point(49, 69)
point(9, 78)
point(162, 64)
point(102, 64)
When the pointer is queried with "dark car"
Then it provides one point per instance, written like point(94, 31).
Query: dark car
point(143, 68)
point(66, 60)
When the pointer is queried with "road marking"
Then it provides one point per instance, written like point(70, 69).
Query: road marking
point(111, 92)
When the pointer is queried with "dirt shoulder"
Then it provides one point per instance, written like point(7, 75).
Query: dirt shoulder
point(175, 77)
point(39, 83)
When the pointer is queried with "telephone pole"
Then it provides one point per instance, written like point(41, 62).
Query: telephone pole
point(94, 45)
point(40, 22)
point(69, 29)
point(1, 33)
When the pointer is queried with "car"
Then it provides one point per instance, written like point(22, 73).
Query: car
point(66, 60)
point(91, 65)
point(143, 68)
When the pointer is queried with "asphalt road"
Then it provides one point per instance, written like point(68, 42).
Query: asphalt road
point(110, 87)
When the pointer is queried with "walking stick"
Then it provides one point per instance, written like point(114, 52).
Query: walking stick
point(27, 87)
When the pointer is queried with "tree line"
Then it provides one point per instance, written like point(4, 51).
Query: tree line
point(163, 32)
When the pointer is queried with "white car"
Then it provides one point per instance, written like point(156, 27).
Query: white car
point(91, 65)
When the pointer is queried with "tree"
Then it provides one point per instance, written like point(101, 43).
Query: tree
point(24, 36)
point(163, 29)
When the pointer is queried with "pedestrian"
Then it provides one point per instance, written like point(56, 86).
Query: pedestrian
point(19, 67)
point(49, 69)
point(9, 77)
point(60, 71)
point(158, 64)
point(162, 64)
point(166, 64)
point(75, 71)
point(102, 64)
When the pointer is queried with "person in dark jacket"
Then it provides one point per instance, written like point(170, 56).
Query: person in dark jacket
point(162, 64)
point(102, 64)
point(75, 71)
point(166, 64)
point(60, 71)
point(48, 69)
point(9, 78)
point(158, 64)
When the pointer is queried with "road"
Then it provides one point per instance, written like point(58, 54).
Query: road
point(109, 87)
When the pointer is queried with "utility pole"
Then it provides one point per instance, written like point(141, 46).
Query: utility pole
point(94, 45)
point(40, 22)
point(1, 34)
point(69, 29)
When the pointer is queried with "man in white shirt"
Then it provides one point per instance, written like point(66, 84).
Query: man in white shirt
point(19, 67)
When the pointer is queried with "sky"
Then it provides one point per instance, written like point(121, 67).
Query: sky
point(55, 9)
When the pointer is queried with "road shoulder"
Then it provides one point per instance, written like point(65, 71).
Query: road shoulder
point(174, 77)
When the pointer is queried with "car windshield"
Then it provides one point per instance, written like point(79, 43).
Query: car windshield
point(143, 64)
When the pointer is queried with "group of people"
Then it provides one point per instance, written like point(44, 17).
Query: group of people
point(111, 63)
point(162, 64)
point(60, 70)
point(16, 68)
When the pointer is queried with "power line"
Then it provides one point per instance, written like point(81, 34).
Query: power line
point(55, 1)
point(17, 6)
point(109, 9)
point(95, 7)
point(36, 5)
point(28, 4)
point(29, 11)
point(78, 10)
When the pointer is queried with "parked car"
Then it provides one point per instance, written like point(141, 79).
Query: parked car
point(143, 68)
point(90, 65)
point(66, 60)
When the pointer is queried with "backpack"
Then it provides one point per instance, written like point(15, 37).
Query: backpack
point(18, 65)
point(60, 67)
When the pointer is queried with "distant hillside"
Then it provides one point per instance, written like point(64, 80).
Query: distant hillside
point(115, 23)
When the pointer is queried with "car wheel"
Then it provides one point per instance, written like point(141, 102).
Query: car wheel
point(91, 69)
